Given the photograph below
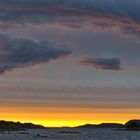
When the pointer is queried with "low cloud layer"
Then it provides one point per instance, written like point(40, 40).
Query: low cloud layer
point(22, 52)
point(102, 63)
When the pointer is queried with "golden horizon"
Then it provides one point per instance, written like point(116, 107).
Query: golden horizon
point(51, 117)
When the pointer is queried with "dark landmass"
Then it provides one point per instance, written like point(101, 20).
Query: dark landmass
point(111, 125)
point(17, 126)
point(131, 125)
point(103, 125)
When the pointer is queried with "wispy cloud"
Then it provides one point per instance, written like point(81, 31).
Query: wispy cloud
point(102, 63)
point(74, 15)
point(128, 9)
point(23, 52)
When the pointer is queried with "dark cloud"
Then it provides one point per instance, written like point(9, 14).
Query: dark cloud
point(21, 52)
point(77, 14)
point(102, 63)
point(128, 9)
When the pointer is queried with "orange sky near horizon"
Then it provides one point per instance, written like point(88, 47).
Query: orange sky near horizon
point(52, 117)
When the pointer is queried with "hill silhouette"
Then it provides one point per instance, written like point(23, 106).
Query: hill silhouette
point(11, 126)
point(133, 124)
point(17, 126)
point(102, 125)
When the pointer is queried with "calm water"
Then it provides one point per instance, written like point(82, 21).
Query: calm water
point(72, 134)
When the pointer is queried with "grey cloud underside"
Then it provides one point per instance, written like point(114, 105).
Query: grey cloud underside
point(19, 52)
point(126, 8)
point(72, 14)
point(102, 63)
point(95, 14)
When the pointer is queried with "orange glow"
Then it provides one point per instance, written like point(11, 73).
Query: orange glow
point(65, 117)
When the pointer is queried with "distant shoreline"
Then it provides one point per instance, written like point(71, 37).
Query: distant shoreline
point(11, 126)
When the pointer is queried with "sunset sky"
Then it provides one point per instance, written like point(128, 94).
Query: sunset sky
point(69, 62)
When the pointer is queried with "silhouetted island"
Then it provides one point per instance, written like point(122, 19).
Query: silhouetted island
point(18, 126)
point(133, 125)
point(11, 126)
point(102, 125)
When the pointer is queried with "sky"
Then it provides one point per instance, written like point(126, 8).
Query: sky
point(69, 62)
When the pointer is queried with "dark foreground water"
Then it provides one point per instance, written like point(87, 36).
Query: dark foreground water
point(71, 134)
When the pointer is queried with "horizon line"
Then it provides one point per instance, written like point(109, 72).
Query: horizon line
point(82, 124)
